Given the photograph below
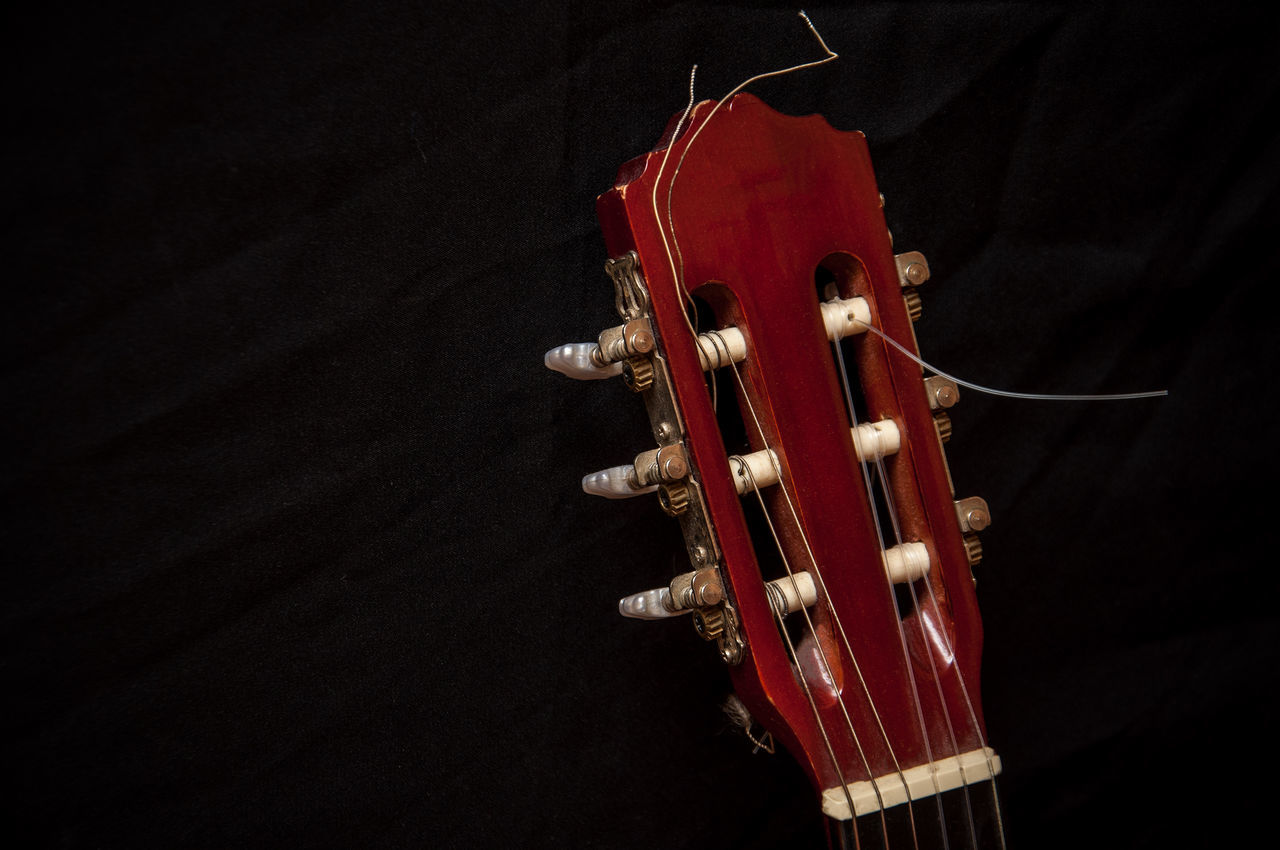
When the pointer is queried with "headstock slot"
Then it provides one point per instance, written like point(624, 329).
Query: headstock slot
point(897, 508)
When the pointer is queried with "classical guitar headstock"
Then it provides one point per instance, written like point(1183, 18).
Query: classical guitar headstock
point(830, 558)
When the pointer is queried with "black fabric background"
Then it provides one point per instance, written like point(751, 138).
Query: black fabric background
point(296, 550)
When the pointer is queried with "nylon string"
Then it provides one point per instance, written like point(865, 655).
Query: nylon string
point(875, 515)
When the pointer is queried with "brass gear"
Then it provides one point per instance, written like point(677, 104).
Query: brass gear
point(673, 498)
point(637, 373)
point(942, 420)
point(915, 307)
point(709, 622)
point(973, 548)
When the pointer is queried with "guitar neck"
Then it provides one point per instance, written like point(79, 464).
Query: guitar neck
point(962, 817)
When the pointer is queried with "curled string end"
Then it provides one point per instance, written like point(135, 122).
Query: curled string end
point(831, 54)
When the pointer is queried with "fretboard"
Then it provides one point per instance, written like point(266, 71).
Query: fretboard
point(968, 817)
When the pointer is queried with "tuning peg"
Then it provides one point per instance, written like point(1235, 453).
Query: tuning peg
point(653, 604)
point(622, 350)
point(652, 468)
point(697, 589)
point(577, 360)
point(703, 589)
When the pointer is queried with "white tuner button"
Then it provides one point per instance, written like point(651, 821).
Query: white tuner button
point(651, 469)
point(697, 589)
point(653, 604)
point(575, 360)
point(616, 482)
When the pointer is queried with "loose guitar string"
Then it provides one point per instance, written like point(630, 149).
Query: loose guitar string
point(902, 636)
point(804, 682)
point(817, 574)
point(933, 599)
point(883, 476)
point(875, 515)
point(1009, 393)
point(719, 346)
point(840, 625)
point(667, 246)
point(679, 279)
point(688, 297)
point(964, 690)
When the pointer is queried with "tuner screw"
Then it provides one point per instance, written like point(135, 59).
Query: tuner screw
point(673, 498)
point(709, 623)
point(977, 519)
point(942, 421)
point(945, 393)
point(973, 514)
point(913, 268)
point(637, 373)
point(973, 549)
point(706, 587)
point(915, 307)
point(638, 339)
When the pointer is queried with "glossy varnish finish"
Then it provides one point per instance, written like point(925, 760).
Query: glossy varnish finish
point(760, 201)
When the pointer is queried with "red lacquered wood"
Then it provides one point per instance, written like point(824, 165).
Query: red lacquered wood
point(760, 201)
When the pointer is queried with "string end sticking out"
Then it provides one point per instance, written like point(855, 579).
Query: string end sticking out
point(1009, 393)
point(742, 719)
point(831, 53)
